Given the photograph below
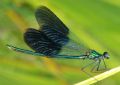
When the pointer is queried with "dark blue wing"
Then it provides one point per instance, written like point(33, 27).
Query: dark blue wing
point(52, 38)
point(52, 26)
point(39, 42)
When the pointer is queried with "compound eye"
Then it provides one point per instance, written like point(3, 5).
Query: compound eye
point(106, 55)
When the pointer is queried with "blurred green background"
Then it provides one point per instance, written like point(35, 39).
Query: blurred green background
point(95, 22)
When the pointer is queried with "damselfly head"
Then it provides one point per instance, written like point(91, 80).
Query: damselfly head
point(106, 55)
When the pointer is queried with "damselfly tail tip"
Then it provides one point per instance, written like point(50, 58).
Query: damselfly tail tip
point(10, 47)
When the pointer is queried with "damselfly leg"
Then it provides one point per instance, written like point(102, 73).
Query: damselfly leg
point(83, 68)
point(96, 64)
point(96, 67)
point(104, 63)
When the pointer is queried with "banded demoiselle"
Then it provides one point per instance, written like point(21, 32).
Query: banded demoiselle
point(52, 40)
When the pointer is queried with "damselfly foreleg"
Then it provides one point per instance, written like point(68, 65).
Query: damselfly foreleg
point(98, 65)
point(104, 63)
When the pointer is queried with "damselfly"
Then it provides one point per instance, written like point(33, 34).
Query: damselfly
point(52, 40)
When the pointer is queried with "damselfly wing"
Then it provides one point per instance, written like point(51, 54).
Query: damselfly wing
point(53, 36)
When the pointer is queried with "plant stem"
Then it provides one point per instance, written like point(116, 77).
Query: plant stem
point(99, 77)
